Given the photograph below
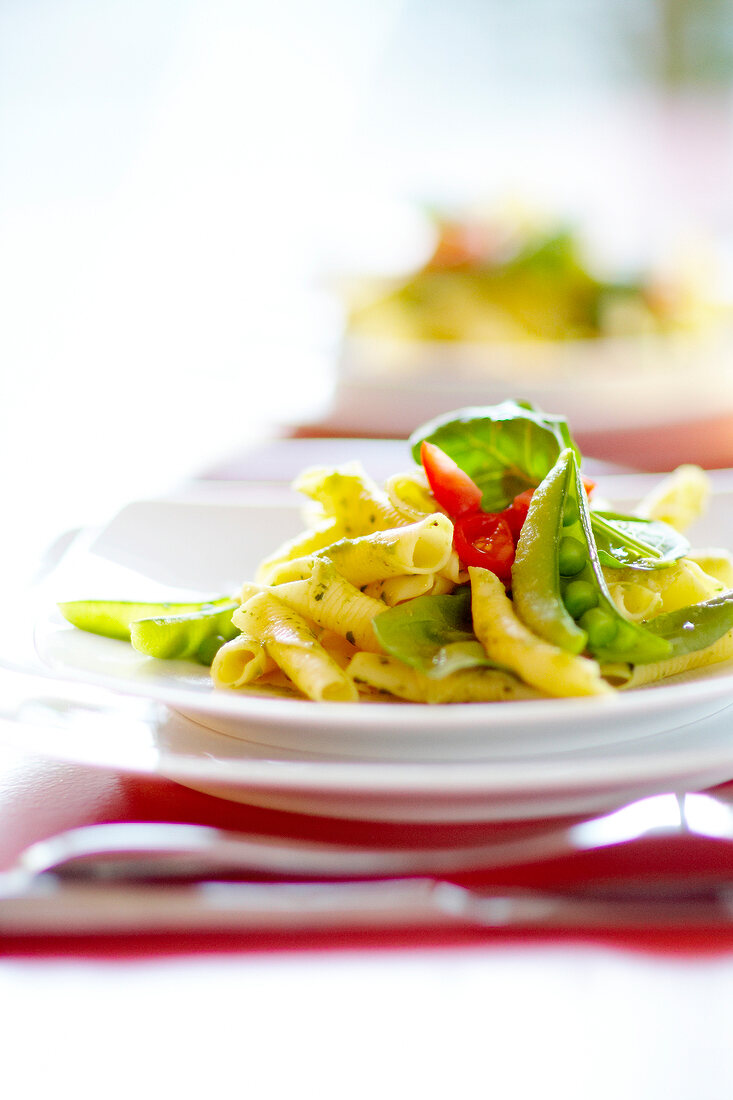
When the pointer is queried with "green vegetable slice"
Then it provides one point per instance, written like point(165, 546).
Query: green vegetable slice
point(536, 569)
point(695, 627)
point(433, 634)
point(197, 634)
point(559, 511)
point(112, 618)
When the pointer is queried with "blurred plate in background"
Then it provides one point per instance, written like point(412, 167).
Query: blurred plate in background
point(650, 402)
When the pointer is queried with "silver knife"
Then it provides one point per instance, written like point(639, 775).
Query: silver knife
point(46, 905)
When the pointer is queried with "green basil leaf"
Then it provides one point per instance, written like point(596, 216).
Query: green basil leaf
point(695, 627)
point(433, 634)
point(505, 448)
point(628, 541)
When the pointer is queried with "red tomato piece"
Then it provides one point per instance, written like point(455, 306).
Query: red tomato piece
point(485, 539)
point(451, 486)
point(589, 485)
point(516, 513)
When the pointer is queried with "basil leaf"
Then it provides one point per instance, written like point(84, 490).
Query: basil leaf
point(433, 634)
point(628, 541)
point(505, 448)
point(695, 627)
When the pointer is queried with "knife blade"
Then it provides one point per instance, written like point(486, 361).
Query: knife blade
point(45, 905)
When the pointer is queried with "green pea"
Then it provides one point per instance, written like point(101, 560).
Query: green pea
point(571, 556)
point(600, 627)
point(570, 512)
point(579, 597)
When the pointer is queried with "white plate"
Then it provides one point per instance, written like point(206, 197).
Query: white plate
point(389, 386)
point(90, 726)
point(202, 548)
point(378, 761)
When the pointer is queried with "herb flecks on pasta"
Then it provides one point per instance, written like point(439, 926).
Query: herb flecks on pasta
point(483, 574)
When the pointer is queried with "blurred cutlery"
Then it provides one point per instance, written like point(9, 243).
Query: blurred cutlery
point(131, 851)
point(53, 907)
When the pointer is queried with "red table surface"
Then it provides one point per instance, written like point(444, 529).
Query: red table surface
point(39, 797)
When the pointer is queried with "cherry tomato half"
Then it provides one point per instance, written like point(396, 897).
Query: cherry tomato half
point(516, 513)
point(451, 486)
point(485, 539)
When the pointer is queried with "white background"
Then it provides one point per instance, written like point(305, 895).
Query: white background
point(178, 177)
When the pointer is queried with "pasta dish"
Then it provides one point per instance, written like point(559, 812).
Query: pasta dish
point(492, 570)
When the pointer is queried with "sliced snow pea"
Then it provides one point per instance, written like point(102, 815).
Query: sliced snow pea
point(112, 618)
point(197, 634)
point(536, 570)
point(697, 626)
point(557, 580)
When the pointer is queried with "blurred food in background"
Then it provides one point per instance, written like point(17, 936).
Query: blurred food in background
point(510, 304)
point(507, 278)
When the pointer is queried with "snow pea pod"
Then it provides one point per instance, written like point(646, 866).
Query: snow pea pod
point(196, 634)
point(112, 618)
point(557, 581)
point(697, 626)
point(536, 573)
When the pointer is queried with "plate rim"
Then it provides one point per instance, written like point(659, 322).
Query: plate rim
point(497, 778)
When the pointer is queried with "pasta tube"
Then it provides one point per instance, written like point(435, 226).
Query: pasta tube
point(453, 569)
point(349, 504)
point(511, 644)
point(328, 599)
point(716, 563)
point(480, 685)
point(348, 494)
point(302, 545)
point(679, 499)
point(240, 661)
point(410, 494)
point(640, 595)
point(421, 547)
point(394, 590)
point(291, 643)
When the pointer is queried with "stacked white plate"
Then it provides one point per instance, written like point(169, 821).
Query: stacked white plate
point(378, 761)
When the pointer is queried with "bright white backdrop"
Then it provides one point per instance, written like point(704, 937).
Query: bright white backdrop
point(176, 176)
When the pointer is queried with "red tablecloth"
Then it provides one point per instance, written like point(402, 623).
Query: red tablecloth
point(39, 797)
